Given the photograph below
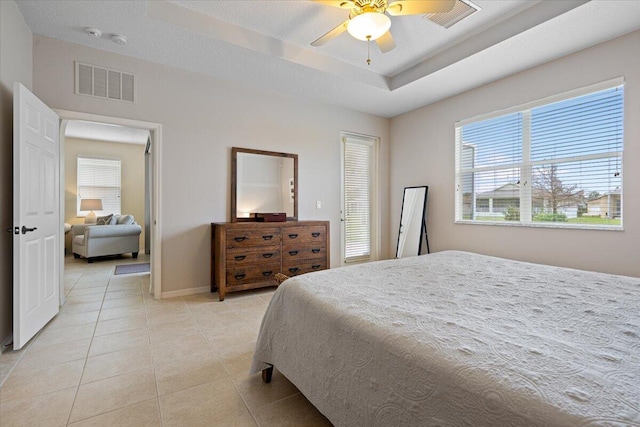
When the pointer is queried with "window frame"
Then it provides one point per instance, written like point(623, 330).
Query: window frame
point(83, 214)
point(526, 167)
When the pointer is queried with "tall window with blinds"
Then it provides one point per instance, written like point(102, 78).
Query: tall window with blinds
point(99, 179)
point(556, 162)
point(358, 204)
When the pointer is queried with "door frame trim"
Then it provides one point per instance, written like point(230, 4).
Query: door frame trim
point(155, 130)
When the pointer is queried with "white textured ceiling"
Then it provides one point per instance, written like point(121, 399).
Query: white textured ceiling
point(266, 44)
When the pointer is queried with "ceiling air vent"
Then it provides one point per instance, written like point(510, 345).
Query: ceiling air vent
point(461, 10)
point(104, 83)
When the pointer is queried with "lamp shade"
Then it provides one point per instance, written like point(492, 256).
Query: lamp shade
point(369, 25)
point(91, 204)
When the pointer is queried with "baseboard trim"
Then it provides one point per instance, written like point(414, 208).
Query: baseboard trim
point(186, 292)
point(6, 343)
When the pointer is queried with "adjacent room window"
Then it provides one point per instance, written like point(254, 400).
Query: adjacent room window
point(359, 219)
point(555, 162)
point(99, 179)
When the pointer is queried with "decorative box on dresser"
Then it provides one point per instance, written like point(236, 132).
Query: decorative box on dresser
point(247, 255)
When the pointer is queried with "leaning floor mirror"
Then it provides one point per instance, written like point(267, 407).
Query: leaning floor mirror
point(413, 224)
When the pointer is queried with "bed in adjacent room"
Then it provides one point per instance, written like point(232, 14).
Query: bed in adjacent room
point(455, 338)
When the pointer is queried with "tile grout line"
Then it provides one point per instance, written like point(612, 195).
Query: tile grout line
point(84, 366)
point(153, 364)
point(223, 367)
point(235, 386)
point(87, 358)
point(32, 340)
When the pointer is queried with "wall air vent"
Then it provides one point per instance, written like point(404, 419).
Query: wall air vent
point(461, 10)
point(104, 83)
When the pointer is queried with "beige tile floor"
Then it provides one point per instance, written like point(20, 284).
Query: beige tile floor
point(114, 356)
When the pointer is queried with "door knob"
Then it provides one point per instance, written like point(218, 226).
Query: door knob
point(25, 230)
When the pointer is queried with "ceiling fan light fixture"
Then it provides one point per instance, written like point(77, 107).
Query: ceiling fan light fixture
point(369, 25)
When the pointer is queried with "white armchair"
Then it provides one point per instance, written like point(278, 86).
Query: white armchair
point(90, 241)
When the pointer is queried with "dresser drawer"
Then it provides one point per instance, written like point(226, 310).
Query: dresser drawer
point(237, 257)
point(252, 273)
point(305, 234)
point(293, 253)
point(303, 266)
point(242, 238)
point(248, 255)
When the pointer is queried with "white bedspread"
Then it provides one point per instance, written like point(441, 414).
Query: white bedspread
point(455, 338)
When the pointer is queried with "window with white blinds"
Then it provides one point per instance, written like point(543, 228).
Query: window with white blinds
point(555, 162)
point(359, 159)
point(99, 179)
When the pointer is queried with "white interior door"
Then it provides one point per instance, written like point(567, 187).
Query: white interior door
point(36, 215)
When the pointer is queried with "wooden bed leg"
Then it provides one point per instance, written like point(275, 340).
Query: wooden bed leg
point(267, 373)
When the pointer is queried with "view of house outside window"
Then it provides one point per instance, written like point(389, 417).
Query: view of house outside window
point(555, 163)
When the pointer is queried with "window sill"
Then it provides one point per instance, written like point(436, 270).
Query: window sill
point(543, 225)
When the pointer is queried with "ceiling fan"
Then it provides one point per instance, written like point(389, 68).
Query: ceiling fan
point(368, 19)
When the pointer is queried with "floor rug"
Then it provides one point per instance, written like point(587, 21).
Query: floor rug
point(132, 268)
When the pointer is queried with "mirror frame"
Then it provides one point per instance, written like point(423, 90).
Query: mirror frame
point(423, 226)
point(234, 181)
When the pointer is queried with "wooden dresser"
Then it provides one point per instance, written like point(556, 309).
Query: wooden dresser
point(247, 255)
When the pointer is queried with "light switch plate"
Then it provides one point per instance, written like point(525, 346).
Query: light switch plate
point(318, 204)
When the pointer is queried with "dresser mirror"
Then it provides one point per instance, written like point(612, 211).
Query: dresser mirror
point(413, 224)
point(263, 182)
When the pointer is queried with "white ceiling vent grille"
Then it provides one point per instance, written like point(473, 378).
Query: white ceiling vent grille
point(104, 83)
point(461, 10)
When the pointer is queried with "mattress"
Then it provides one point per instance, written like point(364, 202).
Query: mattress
point(456, 338)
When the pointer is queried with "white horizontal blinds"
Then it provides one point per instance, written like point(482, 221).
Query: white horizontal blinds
point(586, 125)
point(554, 162)
point(100, 179)
point(358, 171)
point(490, 170)
point(576, 158)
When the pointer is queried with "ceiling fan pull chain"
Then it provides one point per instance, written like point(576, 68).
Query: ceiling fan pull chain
point(368, 50)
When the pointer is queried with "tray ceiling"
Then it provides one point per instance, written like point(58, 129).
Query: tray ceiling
point(266, 44)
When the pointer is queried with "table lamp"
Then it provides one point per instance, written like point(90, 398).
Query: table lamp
point(90, 205)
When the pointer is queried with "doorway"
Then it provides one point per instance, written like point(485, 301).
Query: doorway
point(359, 204)
point(153, 150)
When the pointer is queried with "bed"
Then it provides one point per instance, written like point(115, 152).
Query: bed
point(456, 338)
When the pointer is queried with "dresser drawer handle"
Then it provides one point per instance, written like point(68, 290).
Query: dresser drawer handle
point(267, 273)
point(240, 276)
point(240, 257)
point(268, 237)
point(292, 253)
point(293, 236)
point(315, 251)
point(315, 267)
point(267, 255)
point(239, 239)
point(294, 269)
point(316, 234)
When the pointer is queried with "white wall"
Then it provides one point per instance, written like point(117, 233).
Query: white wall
point(202, 118)
point(16, 50)
point(423, 154)
point(131, 157)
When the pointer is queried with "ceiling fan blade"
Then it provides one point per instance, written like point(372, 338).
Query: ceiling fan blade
point(385, 42)
point(343, 4)
point(331, 34)
point(413, 7)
